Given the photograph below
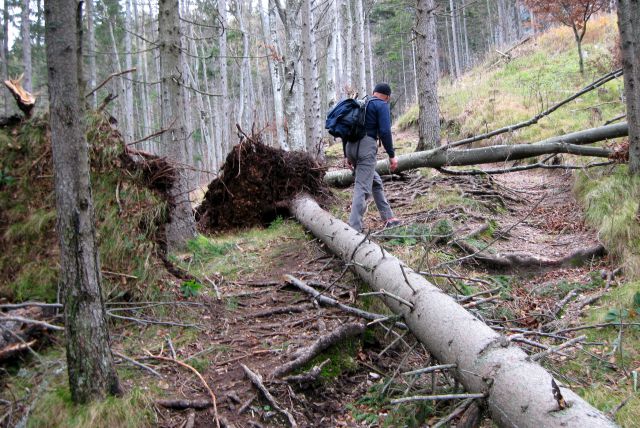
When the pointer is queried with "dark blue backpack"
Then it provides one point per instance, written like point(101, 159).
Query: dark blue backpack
point(346, 119)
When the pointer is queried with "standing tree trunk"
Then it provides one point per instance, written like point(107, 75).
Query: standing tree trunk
point(224, 84)
point(455, 47)
point(629, 25)
point(181, 225)
point(25, 30)
point(579, 35)
point(127, 83)
point(92, 373)
point(91, 43)
point(427, 49)
point(293, 100)
point(361, 81)
point(274, 60)
point(311, 89)
point(5, 53)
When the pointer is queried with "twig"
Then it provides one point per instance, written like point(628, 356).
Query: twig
point(31, 321)
point(197, 373)
point(384, 292)
point(111, 76)
point(328, 301)
point(256, 379)
point(173, 351)
point(182, 404)
point(27, 304)
point(137, 363)
point(436, 398)
point(430, 369)
point(479, 293)
point(459, 409)
point(155, 134)
point(215, 287)
point(612, 413)
point(446, 275)
point(586, 327)
point(392, 344)
point(555, 349)
point(146, 321)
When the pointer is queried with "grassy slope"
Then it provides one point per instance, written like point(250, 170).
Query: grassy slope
point(543, 72)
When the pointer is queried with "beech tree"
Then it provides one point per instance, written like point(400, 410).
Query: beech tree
point(629, 26)
point(573, 13)
point(175, 141)
point(92, 373)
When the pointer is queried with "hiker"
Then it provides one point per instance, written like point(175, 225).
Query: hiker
point(361, 155)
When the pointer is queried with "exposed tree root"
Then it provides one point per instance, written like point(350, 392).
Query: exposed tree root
point(256, 183)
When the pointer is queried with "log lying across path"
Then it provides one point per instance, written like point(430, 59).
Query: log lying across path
point(519, 392)
point(570, 143)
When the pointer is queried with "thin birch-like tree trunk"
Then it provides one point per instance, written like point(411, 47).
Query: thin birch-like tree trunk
point(25, 30)
point(181, 224)
point(293, 100)
point(129, 133)
point(361, 81)
point(455, 47)
point(223, 84)
point(91, 44)
point(311, 88)
point(92, 373)
point(340, 79)
point(274, 61)
point(629, 27)
point(371, 70)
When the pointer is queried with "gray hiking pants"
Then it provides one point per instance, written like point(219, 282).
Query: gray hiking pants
point(367, 182)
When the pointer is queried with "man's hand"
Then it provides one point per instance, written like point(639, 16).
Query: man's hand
point(347, 164)
point(393, 164)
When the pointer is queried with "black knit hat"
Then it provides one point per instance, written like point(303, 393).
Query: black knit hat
point(383, 88)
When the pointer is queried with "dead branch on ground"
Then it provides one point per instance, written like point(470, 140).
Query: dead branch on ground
point(305, 355)
point(256, 379)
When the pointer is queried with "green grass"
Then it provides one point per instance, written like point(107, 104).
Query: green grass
point(235, 254)
point(543, 72)
point(55, 409)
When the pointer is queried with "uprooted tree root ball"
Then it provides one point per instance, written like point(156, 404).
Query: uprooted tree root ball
point(255, 185)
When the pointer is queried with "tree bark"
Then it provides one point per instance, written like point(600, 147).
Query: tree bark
point(274, 60)
point(25, 30)
point(440, 157)
point(518, 391)
point(92, 373)
point(181, 224)
point(294, 85)
point(91, 44)
point(629, 25)
point(454, 38)
point(427, 49)
point(223, 85)
point(5, 51)
point(313, 126)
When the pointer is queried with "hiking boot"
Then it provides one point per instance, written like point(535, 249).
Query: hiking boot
point(392, 222)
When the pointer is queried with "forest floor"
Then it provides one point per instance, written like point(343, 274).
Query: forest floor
point(260, 319)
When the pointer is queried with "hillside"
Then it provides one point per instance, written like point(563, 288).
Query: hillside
point(235, 307)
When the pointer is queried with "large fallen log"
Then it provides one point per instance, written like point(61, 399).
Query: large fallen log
point(519, 392)
point(440, 157)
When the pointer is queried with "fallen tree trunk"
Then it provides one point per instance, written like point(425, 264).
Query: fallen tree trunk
point(519, 392)
point(439, 157)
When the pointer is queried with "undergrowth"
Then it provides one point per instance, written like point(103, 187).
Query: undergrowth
point(127, 216)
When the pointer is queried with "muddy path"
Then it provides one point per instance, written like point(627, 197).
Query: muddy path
point(261, 320)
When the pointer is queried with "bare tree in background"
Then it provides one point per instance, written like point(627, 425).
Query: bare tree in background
point(573, 13)
point(175, 140)
point(92, 373)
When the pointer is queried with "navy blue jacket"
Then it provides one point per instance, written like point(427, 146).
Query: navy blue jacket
point(378, 123)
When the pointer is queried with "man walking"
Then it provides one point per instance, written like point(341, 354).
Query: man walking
point(361, 155)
